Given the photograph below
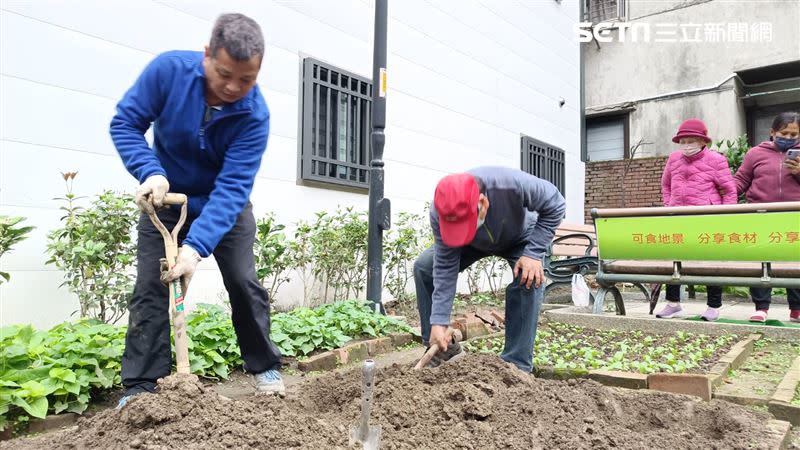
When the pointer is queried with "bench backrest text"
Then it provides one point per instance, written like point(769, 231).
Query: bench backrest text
point(772, 236)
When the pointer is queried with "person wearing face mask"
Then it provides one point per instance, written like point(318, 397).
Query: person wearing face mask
point(488, 211)
point(695, 175)
point(768, 174)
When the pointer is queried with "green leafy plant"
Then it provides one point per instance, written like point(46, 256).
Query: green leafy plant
point(10, 235)
point(409, 236)
point(304, 330)
point(734, 150)
point(488, 270)
point(302, 258)
point(331, 251)
point(213, 348)
point(272, 253)
point(573, 349)
point(338, 250)
point(482, 299)
point(95, 250)
point(63, 368)
point(56, 370)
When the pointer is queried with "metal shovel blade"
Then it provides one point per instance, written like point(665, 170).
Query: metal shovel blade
point(372, 441)
point(362, 432)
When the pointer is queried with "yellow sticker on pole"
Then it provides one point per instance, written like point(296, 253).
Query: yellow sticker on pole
point(382, 84)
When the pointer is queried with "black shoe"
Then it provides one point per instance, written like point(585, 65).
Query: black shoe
point(453, 353)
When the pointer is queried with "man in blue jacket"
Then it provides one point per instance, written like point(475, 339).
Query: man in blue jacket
point(525, 212)
point(210, 128)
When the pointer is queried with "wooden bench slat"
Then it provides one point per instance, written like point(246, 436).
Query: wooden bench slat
point(701, 268)
point(561, 232)
point(576, 227)
point(577, 242)
point(569, 256)
point(572, 250)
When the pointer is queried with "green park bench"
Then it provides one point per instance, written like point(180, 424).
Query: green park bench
point(754, 245)
point(573, 250)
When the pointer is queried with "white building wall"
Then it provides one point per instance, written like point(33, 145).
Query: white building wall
point(466, 78)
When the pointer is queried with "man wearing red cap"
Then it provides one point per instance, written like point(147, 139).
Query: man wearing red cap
point(525, 212)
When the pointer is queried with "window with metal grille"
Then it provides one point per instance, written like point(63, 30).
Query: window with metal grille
point(544, 161)
point(607, 138)
point(336, 125)
point(606, 10)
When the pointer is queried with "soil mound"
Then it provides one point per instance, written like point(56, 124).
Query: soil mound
point(480, 402)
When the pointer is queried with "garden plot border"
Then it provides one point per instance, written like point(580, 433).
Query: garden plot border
point(576, 316)
point(780, 403)
point(700, 385)
point(778, 431)
point(355, 352)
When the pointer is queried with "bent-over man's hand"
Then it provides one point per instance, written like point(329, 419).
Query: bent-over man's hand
point(530, 271)
point(439, 337)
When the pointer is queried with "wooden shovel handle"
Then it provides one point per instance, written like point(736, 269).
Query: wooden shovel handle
point(172, 198)
point(177, 288)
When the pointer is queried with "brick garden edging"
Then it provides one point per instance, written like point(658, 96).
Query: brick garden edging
point(733, 359)
point(574, 316)
point(700, 385)
point(780, 403)
point(354, 352)
point(779, 432)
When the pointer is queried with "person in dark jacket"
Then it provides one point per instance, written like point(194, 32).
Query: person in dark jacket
point(521, 222)
point(210, 128)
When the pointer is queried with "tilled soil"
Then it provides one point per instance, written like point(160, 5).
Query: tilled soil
point(480, 402)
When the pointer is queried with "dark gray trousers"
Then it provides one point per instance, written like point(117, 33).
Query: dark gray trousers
point(148, 354)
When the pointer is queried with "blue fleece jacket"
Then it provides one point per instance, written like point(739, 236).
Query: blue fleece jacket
point(214, 163)
point(523, 211)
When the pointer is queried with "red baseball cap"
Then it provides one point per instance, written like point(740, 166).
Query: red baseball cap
point(456, 202)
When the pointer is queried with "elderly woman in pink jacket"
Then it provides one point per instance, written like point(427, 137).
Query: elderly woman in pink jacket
point(695, 175)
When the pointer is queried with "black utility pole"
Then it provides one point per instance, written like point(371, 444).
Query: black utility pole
point(379, 207)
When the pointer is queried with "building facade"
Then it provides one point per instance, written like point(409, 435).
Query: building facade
point(473, 82)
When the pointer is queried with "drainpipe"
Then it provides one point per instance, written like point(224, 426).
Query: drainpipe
point(584, 151)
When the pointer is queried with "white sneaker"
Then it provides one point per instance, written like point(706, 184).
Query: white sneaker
point(270, 382)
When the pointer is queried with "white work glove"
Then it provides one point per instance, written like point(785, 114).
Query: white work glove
point(188, 258)
point(150, 194)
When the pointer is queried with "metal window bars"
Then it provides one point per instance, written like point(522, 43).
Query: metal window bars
point(336, 126)
point(544, 161)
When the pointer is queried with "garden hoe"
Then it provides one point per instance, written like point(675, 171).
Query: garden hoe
point(362, 432)
point(176, 287)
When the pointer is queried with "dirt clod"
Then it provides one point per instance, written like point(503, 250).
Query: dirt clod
point(480, 402)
